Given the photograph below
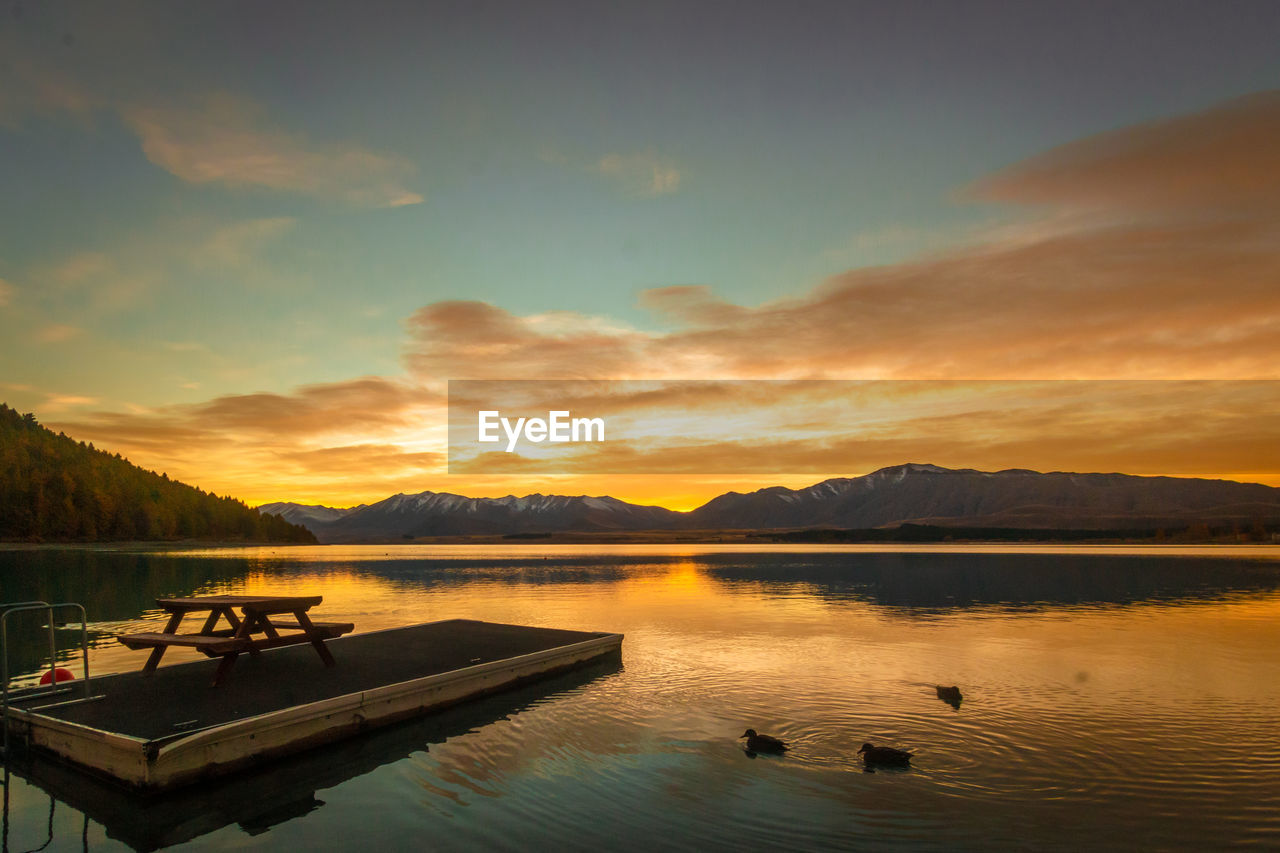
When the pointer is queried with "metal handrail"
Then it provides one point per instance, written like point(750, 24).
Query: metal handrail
point(26, 606)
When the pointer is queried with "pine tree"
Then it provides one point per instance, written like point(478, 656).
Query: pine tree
point(53, 488)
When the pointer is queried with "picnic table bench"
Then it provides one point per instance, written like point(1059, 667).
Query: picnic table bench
point(251, 631)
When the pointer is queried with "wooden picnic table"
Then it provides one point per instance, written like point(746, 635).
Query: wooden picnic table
point(242, 631)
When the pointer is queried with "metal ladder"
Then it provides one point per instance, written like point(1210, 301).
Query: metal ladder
point(53, 688)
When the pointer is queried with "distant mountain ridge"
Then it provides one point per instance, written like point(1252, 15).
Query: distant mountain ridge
point(445, 514)
point(301, 513)
point(929, 494)
point(911, 493)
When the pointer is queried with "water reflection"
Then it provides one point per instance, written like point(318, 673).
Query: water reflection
point(118, 587)
point(261, 801)
point(1090, 684)
point(924, 582)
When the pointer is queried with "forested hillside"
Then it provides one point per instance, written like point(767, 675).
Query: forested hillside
point(53, 488)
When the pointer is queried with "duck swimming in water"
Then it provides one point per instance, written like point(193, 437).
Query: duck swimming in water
point(763, 743)
point(883, 755)
point(950, 695)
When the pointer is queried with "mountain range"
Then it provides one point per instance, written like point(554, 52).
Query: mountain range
point(903, 494)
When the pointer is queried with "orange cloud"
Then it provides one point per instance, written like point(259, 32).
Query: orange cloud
point(1206, 428)
point(1144, 301)
point(476, 340)
point(220, 139)
point(361, 405)
point(1170, 274)
point(1152, 256)
point(1152, 301)
point(319, 440)
point(58, 402)
point(227, 141)
point(57, 333)
point(1219, 160)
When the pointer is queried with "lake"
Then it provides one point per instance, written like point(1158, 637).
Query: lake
point(1113, 698)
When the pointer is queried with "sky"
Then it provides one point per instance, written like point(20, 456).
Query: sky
point(249, 244)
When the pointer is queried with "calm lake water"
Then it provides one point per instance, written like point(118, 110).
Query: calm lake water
point(1113, 698)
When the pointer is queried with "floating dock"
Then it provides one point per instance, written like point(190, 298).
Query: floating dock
point(260, 798)
point(172, 728)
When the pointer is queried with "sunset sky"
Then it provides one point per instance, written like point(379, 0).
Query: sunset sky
point(248, 244)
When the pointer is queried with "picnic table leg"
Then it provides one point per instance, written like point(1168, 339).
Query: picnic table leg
point(305, 622)
point(211, 622)
point(224, 667)
point(251, 622)
point(153, 660)
point(245, 629)
point(264, 622)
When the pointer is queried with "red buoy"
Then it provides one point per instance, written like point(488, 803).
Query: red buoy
point(58, 673)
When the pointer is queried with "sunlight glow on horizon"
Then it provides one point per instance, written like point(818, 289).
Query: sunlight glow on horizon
point(269, 294)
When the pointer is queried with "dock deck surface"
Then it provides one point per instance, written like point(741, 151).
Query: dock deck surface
point(278, 791)
point(177, 700)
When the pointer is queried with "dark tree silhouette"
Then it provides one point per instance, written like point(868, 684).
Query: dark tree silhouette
point(53, 488)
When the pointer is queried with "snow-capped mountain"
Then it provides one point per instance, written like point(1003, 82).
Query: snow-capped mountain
point(305, 514)
point(916, 493)
point(445, 514)
point(929, 494)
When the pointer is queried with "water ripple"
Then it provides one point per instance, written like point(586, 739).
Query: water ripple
point(1110, 702)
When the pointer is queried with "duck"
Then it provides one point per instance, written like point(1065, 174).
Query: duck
point(872, 754)
point(950, 695)
point(763, 743)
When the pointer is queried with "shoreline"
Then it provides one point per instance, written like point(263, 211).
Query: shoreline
point(769, 539)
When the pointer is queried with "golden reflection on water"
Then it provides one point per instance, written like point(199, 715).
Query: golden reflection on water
point(1092, 683)
point(1085, 651)
point(375, 553)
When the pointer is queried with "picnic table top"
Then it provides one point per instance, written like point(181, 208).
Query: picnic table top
point(260, 603)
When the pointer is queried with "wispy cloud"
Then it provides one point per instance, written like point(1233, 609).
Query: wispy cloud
point(476, 340)
point(1171, 274)
point(79, 267)
point(1126, 267)
point(239, 243)
point(60, 402)
point(347, 459)
point(36, 87)
point(270, 446)
point(90, 284)
point(229, 141)
point(6, 292)
point(1225, 158)
point(99, 281)
point(184, 346)
point(642, 173)
point(218, 139)
point(662, 427)
point(898, 239)
point(58, 332)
